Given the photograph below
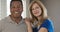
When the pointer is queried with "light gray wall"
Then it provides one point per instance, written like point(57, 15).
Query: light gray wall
point(3, 8)
point(27, 9)
point(53, 7)
point(0, 9)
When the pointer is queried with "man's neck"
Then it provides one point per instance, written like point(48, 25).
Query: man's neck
point(16, 19)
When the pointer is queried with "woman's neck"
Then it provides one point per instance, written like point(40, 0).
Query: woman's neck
point(39, 18)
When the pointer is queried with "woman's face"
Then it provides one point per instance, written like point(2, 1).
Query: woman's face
point(36, 10)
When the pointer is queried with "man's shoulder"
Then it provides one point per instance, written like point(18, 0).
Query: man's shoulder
point(4, 19)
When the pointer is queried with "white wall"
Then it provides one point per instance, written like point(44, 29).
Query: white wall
point(27, 9)
point(24, 9)
point(3, 8)
point(0, 9)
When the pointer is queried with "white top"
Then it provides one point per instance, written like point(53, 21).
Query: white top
point(7, 25)
point(34, 25)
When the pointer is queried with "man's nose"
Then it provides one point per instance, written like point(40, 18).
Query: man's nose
point(16, 9)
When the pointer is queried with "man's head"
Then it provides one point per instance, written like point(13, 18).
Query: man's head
point(16, 8)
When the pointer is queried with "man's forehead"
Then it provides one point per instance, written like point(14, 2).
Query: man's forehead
point(16, 2)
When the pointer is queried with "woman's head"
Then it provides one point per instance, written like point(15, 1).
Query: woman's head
point(37, 9)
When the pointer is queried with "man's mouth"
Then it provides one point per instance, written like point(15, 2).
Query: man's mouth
point(16, 12)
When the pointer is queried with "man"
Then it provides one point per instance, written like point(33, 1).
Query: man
point(14, 22)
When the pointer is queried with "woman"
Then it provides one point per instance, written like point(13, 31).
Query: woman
point(39, 21)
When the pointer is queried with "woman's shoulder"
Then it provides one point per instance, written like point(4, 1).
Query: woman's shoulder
point(48, 21)
point(48, 24)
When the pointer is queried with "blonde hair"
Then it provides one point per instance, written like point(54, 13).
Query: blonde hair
point(43, 9)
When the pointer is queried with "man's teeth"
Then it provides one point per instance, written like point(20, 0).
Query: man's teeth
point(16, 12)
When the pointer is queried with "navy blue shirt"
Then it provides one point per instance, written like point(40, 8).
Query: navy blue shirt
point(48, 24)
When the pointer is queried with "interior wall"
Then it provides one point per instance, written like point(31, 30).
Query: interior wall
point(3, 9)
point(27, 9)
point(0, 9)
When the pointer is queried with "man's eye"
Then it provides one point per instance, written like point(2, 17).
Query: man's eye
point(18, 7)
point(13, 7)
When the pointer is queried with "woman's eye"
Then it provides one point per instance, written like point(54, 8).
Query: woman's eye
point(32, 9)
point(37, 7)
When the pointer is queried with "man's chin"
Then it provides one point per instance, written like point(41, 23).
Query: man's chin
point(16, 15)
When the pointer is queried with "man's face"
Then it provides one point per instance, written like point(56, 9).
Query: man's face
point(16, 9)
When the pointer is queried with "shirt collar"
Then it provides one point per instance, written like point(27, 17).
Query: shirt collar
point(11, 21)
